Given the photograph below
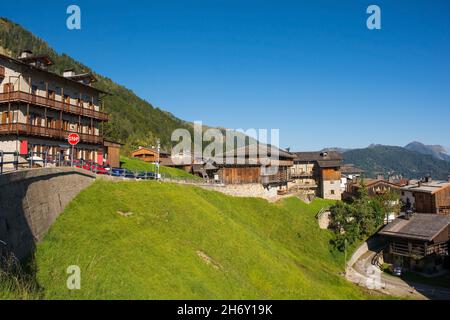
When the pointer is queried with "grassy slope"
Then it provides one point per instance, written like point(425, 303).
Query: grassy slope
point(266, 251)
point(139, 165)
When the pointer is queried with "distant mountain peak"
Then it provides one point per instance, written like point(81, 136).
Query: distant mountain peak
point(436, 151)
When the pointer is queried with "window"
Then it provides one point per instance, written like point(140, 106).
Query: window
point(51, 94)
point(332, 191)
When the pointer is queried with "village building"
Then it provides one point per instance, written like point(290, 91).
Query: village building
point(418, 242)
point(150, 154)
point(349, 174)
point(318, 173)
point(252, 164)
point(374, 187)
point(111, 149)
point(427, 196)
point(39, 109)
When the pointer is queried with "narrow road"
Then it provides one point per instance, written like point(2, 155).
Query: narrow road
point(397, 286)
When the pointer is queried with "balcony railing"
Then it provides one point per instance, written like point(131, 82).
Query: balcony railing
point(44, 132)
point(20, 96)
point(418, 250)
point(301, 174)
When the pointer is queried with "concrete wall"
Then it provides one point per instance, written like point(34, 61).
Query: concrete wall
point(31, 200)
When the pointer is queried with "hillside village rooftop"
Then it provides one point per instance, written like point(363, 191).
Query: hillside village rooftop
point(427, 187)
point(423, 226)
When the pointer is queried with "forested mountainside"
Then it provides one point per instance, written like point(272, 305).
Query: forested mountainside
point(383, 159)
point(134, 121)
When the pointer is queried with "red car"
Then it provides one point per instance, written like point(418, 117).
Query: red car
point(93, 168)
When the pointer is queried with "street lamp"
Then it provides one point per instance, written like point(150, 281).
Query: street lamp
point(157, 159)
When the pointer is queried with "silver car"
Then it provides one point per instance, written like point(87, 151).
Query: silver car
point(397, 271)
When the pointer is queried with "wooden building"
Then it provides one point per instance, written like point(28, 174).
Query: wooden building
point(150, 154)
point(318, 173)
point(254, 164)
point(112, 153)
point(374, 187)
point(39, 109)
point(418, 242)
point(427, 196)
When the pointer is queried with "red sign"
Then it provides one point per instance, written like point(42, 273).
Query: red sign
point(73, 138)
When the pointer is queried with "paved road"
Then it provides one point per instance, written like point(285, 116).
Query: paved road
point(397, 286)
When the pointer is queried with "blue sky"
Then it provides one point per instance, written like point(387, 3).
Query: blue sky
point(309, 68)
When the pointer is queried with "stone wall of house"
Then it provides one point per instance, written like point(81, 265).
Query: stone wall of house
point(8, 144)
point(31, 200)
point(332, 189)
point(254, 190)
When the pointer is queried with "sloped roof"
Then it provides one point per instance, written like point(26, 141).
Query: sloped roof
point(256, 150)
point(329, 163)
point(424, 227)
point(371, 182)
point(427, 187)
point(161, 152)
point(349, 169)
point(318, 156)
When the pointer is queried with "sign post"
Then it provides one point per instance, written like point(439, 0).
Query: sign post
point(73, 139)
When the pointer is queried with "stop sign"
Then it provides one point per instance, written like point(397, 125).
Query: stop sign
point(73, 138)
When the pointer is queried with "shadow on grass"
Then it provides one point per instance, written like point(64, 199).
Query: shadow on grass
point(18, 279)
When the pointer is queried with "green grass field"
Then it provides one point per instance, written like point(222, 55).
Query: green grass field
point(184, 242)
point(139, 165)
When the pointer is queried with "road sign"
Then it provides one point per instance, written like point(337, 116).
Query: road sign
point(73, 138)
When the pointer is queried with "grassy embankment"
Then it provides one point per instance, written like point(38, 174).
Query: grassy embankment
point(184, 242)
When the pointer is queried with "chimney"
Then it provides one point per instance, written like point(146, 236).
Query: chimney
point(448, 178)
point(68, 73)
point(25, 54)
point(380, 176)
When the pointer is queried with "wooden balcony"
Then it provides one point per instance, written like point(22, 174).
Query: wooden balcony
point(418, 250)
point(301, 174)
point(44, 132)
point(20, 96)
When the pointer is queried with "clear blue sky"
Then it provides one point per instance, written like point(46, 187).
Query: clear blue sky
point(310, 68)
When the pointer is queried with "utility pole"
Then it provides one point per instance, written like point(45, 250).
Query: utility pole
point(157, 160)
point(345, 255)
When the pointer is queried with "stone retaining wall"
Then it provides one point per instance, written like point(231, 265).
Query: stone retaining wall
point(30, 201)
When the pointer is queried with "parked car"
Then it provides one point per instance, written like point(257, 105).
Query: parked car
point(145, 175)
point(397, 271)
point(122, 173)
point(98, 169)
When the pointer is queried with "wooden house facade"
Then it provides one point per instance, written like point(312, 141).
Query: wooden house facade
point(249, 165)
point(374, 187)
point(428, 196)
point(150, 154)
